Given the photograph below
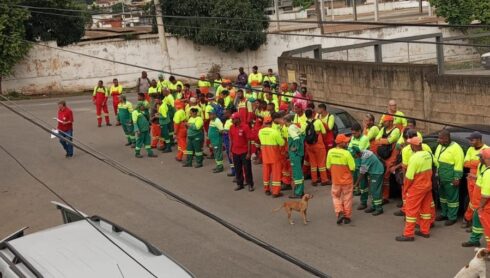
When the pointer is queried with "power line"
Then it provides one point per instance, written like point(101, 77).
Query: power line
point(327, 22)
point(118, 166)
point(47, 187)
point(257, 90)
point(304, 35)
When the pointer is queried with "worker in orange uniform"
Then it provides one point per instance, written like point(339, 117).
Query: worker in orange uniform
point(417, 189)
point(271, 142)
point(406, 153)
point(286, 95)
point(157, 141)
point(484, 207)
point(341, 164)
point(328, 121)
point(115, 91)
point(278, 124)
point(244, 107)
point(476, 228)
point(386, 140)
point(471, 162)
point(315, 148)
point(99, 98)
point(180, 128)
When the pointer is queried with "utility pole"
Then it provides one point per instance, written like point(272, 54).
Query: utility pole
point(319, 16)
point(276, 12)
point(354, 9)
point(122, 16)
point(376, 10)
point(322, 9)
point(161, 36)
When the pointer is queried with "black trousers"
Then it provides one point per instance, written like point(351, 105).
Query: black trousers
point(242, 164)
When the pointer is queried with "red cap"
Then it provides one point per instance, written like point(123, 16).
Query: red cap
point(485, 153)
point(414, 141)
point(267, 119)
point(235, 116)
point(342, 138)
point(388, 118)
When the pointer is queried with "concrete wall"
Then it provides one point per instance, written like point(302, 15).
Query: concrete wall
point(48, 70)
point(418, 89)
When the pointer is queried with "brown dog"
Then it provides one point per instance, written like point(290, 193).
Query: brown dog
point(300, 206)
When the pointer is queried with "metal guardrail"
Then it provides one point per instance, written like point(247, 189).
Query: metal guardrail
point(318, 50)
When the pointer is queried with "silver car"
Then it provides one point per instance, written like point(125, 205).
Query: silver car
point(77, 249)
point(485, 60)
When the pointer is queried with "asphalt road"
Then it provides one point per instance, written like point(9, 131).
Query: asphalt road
point(365, 248)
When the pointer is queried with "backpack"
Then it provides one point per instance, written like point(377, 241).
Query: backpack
point(384, 151)
point(310, 134)
point(220, 111)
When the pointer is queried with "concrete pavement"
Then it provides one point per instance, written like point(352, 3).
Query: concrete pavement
point(366, 248)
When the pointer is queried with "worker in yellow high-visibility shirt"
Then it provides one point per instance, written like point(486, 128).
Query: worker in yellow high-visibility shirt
point(115, 91)
point(99, 98)
point(341, 164)
point(162, 83)
point(195, 137)
point(400, 122)
point(203, 84)
point(471, 162)
point(449, 158)
point(172, 85)
point(271, 78)
point(255, 78)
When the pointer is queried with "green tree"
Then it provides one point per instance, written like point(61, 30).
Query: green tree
point(232, 32)
point(66, 27)
point(12, 34)
point(463, 12)
point(118, 8)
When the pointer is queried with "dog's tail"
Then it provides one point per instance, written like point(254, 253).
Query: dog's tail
point(277, 209)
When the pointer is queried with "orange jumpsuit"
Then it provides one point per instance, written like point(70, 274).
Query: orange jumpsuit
point(484, 213)
point(329, 137)
point(286, 171)
point(418, 193)
point(341, 164)
point(317, 154)
point(180, 130)
point(386, 138)
point(271, 142)
point(156, 139)
point(471, 161)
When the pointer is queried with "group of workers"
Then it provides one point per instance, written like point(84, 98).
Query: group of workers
point(257, 119)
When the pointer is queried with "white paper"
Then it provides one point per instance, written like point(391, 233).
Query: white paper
point(53, 132)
